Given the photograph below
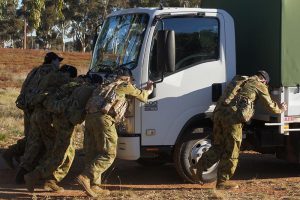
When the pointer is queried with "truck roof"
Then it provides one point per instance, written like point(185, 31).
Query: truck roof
point(165, 10)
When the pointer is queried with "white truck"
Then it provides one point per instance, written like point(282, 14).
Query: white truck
point(190, 53)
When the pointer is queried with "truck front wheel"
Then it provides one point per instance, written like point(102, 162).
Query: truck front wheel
point(187, 153)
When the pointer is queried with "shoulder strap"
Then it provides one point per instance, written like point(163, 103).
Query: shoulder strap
point(112, 86)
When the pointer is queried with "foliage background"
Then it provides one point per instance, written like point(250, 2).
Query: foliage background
point(63, 24)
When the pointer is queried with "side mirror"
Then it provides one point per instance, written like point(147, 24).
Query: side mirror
point(170, 51)
point(166, 51)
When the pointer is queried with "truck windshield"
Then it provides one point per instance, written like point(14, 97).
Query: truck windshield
point(119, 42)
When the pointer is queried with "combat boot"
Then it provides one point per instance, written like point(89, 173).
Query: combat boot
point(85, 183)
point(225, 185)
point(8, 157)
point(20, 176)
point(31, 179)
point(97, 189)
point(196, 172)
point(51, 185)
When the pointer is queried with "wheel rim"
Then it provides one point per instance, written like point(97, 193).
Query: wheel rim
point(197, 150)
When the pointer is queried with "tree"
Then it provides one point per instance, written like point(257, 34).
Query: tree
point(166, 3)
point(35, 9)
point(64, 21)
point(44, 32)
point(10, 24)
point(54, 20)
point(47, 26)
point(85, 17)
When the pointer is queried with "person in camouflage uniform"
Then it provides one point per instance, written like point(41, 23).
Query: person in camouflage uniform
point(24, 102)
point(51, 62)
point(232, 110)
point(67, 108)
point(100, 132)
point(42, 133)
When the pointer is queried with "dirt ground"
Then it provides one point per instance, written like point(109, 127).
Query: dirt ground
point(259, 177)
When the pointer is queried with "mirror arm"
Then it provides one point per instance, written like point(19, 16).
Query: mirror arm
point(161, 79)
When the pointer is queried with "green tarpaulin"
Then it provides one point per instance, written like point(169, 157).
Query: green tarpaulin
point(267, 37)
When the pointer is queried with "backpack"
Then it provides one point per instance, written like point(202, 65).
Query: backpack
point(103, 98)
point(230, 93)
point(231, 90)
point(233, 87)
point(242, 106)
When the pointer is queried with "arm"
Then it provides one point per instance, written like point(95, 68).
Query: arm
point(264, 96)
point(140, 94)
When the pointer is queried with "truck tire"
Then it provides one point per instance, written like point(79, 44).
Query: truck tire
point(188, 151)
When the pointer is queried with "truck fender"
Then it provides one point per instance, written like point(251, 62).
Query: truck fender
point(200, 120)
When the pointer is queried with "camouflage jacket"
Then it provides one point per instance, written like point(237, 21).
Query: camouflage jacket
point(254, 90)
point(69, 101)
point(52, 81)
point(59, 101)
point(50, 84)
point(241, 107)
point(30, 85)
point(118, 107)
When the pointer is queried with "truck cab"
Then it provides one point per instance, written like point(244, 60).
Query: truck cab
point(190, 55)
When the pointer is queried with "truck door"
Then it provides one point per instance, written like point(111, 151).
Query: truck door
point(187, 91)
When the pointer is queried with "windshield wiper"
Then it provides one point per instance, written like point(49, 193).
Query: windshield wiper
point(125, 64)
point(100, 67)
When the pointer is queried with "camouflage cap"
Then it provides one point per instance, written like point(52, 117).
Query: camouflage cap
point(265, 75)
point(51, 56)
point(69, 69)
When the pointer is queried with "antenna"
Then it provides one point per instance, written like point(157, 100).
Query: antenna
point(186, 3)
point(161, 4)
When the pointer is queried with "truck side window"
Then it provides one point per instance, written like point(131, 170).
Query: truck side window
point(197, 41)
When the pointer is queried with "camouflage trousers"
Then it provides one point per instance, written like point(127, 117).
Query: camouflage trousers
point(58, 163)
point(39, 140)
point(226, 142)
point(100, 145)
point(18, 149)
point(27, 115)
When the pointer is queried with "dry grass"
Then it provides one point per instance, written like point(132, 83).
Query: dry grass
point(265, 189)
point(16, 63)
point(11, 118)
point(191, 194)
point(14, 67)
